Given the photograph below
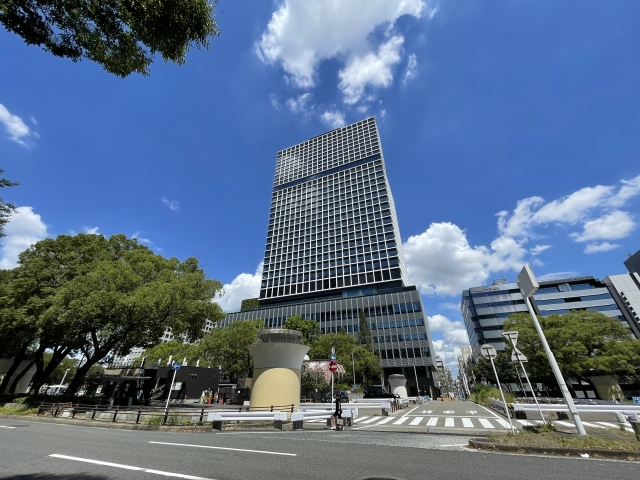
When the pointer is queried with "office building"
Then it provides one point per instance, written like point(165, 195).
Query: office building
point(485, 308)
point(334, 249)
point(633, 263)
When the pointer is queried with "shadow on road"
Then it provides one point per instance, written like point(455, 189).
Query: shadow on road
point(50, 476)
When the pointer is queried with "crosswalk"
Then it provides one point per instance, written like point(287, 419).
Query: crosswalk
point(488, 423)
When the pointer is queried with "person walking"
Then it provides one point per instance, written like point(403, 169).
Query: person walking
point(337, 413)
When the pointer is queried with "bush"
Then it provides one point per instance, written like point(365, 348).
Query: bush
point(481, 394)
point(154, 421)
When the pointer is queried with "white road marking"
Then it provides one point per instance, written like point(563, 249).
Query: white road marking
point(466, 422)
point(226, 448)
point(385, 420)
point(416, 421)
point(472, 412)
point(607, 424)
point(372, 419)
point(433, 421)
point(448, 412)
point(456, 445)
point(401, 420)
point(502, 422)
point(4, 426)
point(588, 424)
point(359, 419)
point(129, 467)
point(427, 412)
point(449, 422)
point(564, 424)
point(486, 423)
point(524, 422)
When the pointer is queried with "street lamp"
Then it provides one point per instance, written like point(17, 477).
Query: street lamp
point(353, 363)
point(64, 376)
point(528, 286)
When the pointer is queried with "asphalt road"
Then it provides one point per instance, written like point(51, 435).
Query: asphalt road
point(32, 450)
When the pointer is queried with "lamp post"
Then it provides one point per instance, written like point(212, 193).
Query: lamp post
point(64, 376)
point(528, 286)
point(353, 363)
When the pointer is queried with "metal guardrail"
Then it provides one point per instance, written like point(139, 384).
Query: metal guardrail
point(519, 407)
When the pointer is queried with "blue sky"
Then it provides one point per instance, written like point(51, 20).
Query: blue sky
point(509, 129)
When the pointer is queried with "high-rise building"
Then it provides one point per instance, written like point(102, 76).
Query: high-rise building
point(485, 309)
point(633, 263)
point(334, 251)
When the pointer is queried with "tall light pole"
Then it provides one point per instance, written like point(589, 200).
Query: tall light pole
point(528, 286)
point(64, 376)
point(353, 363)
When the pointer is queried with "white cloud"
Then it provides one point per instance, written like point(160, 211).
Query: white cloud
point(556, 275)
point(242, 287)
point(538, 249)
point(412, 68)
point(333, 119)
point(140, 239)
point(371, 68)
point(299, 105)
point(630, 188)
point(612, 226)
point(303, 33)
point(18, 131)
point(274, 101)
point(23, 229)
point(441, 261)
point(91, 230)
point(172, 204)
point(599, 247)
point(33, 120)
point(454, 336)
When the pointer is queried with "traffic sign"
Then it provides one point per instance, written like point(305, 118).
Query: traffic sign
point(333, 367)
point(176, 366)
point(488, 351)
point(333, 357)
point(517, 356)
point(512, 336)
point(636, 400)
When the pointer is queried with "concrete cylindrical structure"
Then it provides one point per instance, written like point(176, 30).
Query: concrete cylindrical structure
point(277, 362)
point(398, 385)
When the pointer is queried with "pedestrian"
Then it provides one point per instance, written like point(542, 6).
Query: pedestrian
point(337, 413)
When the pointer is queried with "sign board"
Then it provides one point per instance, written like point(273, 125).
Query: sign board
point(488, 351)
point(176, 366)
point(636, 400)
point(517, 356)
point(355, 385)
point(177, 386)
point(333, 357)
point(512, 336)
point(483, 379)
point(527, 281)
point(333, 367)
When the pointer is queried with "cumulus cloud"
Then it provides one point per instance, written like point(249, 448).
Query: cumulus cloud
point(412, 68)
point(302, 33)
point(333, 118)
point(454, 336)
point(91, 230)
point(23, 229)
point(611, 226)
point(172, 204)
point(441, 261)
point(538, 249)
point(599, 247)
point(301, 105)
point(140, 239)
point(17, 130)
point(242, 287)
point(556, 275)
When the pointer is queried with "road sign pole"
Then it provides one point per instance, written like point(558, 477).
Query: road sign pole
point(506, 409)
point(170, 390)
point(532, 392)
point(573, 411)
point(332, 399)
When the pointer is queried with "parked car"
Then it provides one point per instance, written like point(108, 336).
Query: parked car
point(344, 396)
point(377, 392)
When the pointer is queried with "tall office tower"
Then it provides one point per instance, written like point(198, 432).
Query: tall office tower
point(485, 309)
point(334, 250)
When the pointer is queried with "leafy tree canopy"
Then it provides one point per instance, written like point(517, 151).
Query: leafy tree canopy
point(121, 35)
point(6, 209)
point(309, 328)
point(175, 349)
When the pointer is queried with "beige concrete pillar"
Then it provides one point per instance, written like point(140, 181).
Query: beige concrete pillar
point(277, 362)
point(398, 385)
point(607, 387)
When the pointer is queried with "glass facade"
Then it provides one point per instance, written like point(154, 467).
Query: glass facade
point(484, 309)
point(334, 249)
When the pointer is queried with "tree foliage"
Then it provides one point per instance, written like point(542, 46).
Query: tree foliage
point(364, 332)
point(6, 209)
point(121, 35)
point(309, 328)
point(173, 349)
point(585, 343)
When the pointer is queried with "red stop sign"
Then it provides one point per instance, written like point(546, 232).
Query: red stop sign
point(333, 367)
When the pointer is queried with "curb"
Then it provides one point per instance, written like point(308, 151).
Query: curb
point(483, 444)
point(116, 426)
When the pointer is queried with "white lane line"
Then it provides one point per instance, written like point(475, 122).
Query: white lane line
point(466, 422)
point(425, 412)
point(524, 422)
point(226, 448)
point(588, 424)
point(449, 422)
point(129, 467)
point(502, 422)
point(372, 419)
point(485, 423)
point(416, 421)
point(4, 426)
point(359, 419)
point(410, 411)
point(386, 420)
point(607, 424)
point(456, 445)
point(564, 424)
point(401, 420)
point(433, 421)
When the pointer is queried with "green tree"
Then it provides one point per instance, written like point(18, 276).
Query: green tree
point(227, 347)
point(585, 343)
point(175, 349)
point(123, 36)
point(309, 328)
point(6, 209)
point(364, 332)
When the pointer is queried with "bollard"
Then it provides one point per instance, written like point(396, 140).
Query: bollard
point(201, 416)
point(115, 414)
point(93, 415)
point(138, 417)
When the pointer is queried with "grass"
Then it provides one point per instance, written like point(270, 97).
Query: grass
point(545, 437)
point(18, 411)
point(482, 396)
point(154, 421)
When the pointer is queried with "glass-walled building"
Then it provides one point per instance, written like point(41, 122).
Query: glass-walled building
point(485, 309)
point(334, 249)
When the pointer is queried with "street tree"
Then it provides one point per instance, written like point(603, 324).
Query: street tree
point(6, 209)
point(227, 347)
point(585, 343)
point(123, 36)
point(173, 349)
point(309, 328)
point(364, 332)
